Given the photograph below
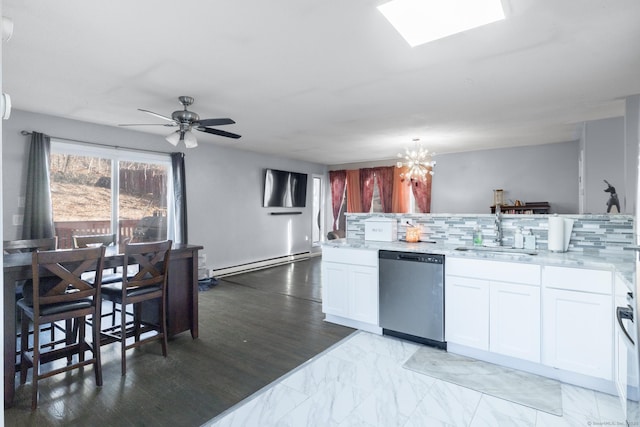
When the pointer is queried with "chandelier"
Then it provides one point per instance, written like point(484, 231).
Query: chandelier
point(418, 161)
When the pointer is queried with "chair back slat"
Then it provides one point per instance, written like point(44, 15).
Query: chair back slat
point(152, 259)
point(29, 245)
point(66, 267)
point(102, 239)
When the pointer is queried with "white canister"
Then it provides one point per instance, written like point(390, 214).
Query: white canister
point(381, 229)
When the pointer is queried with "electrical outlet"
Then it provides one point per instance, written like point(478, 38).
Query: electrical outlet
point(18, 219)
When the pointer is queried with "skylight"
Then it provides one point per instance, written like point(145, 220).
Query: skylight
point(422, 21)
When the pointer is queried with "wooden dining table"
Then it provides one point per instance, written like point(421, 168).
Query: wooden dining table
point(182, 299)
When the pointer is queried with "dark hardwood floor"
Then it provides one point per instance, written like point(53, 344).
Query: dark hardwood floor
point(254, 327)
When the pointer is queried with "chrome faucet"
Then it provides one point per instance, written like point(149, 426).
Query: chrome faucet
point(498, 226)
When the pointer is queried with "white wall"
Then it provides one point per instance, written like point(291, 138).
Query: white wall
point(224, 189)
point(603, 142)
point(464, 182)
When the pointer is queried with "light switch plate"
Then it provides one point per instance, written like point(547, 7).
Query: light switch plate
point(18, 219)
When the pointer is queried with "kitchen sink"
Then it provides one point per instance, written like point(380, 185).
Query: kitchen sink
point(496, 249)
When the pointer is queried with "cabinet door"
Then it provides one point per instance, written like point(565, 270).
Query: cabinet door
point(515, 320)
point(335, 289)
point(363, 294)
point(578, 332)
point(467, 312)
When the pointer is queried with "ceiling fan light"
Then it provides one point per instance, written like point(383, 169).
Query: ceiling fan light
point(190, 140)
point(173, 138)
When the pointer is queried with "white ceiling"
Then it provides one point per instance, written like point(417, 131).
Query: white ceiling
point(327, 81)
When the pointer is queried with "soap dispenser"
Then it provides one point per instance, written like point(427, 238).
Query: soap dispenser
point(518, 239)
point(477, 236)
point(530, 241)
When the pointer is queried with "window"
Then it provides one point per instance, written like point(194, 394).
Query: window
point(104, 191)
point(376, 204)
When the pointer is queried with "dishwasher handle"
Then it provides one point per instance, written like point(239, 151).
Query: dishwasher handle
point(409, 257)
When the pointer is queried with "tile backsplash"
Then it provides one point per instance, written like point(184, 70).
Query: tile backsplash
point(591, 233)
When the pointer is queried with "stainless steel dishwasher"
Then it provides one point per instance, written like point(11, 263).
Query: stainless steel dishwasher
point(412, 296)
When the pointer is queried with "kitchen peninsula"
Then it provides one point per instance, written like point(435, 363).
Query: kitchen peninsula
point(547, 313)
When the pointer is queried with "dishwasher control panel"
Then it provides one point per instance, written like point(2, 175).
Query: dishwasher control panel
point(412, 256)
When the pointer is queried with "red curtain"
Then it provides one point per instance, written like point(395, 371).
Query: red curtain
point(422, 193)
point(354, 203)
point(400, 192)
point(337, 179)
point(384, 178)
point(366, 188)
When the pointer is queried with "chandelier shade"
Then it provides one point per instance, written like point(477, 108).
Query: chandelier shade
point(418, 162)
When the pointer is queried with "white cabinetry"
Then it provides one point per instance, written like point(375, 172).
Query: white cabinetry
point(515, 320)
point(467, 311)
point(350, 287)
point(493, 306)
point(578, 320)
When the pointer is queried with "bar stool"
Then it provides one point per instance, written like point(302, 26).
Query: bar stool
point(149, 283)
point(68, 297)
point(30, 245)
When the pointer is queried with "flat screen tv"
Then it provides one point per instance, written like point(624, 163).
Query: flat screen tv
point(284, 189)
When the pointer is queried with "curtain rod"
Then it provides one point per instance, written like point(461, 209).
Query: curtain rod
point(26, 132)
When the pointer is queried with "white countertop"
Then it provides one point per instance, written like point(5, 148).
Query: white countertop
point(623, 263)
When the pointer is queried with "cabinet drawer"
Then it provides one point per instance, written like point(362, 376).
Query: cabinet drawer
point(351, 256)
point(577, 279)
point(500, 271)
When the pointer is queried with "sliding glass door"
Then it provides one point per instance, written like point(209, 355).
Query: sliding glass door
point(104, 191)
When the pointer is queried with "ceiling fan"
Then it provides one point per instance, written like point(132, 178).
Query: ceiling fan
point(187, 121)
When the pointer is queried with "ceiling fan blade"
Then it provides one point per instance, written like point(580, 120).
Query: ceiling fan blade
point(214, 122)
point(157, 115)
point(149, 124)
point(219, 132)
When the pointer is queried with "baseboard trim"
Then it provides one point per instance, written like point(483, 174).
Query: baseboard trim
point(259, 265)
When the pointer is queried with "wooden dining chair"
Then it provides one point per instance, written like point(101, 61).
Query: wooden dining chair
point(68, 297)
point(149, 283)
point(110, 275)
point(30, 245)
point(27, 245)
point(94, 239)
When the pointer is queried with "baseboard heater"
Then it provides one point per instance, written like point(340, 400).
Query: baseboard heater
point(243, 268)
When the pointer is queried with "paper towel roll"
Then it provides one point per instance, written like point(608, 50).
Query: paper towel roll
point(556, 234)
point(559, 233)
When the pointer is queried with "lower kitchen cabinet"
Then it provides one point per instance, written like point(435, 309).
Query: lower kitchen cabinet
point(335, 288)
point(350, 284)
point(577, 325)
point(467, 312)
point(494, 306)
point(514, 320)
point(578, 332)
point(363, 294)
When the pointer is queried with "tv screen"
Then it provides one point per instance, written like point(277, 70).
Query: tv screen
point(284, 189)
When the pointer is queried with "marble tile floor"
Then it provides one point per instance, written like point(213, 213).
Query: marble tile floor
point(361, 382)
